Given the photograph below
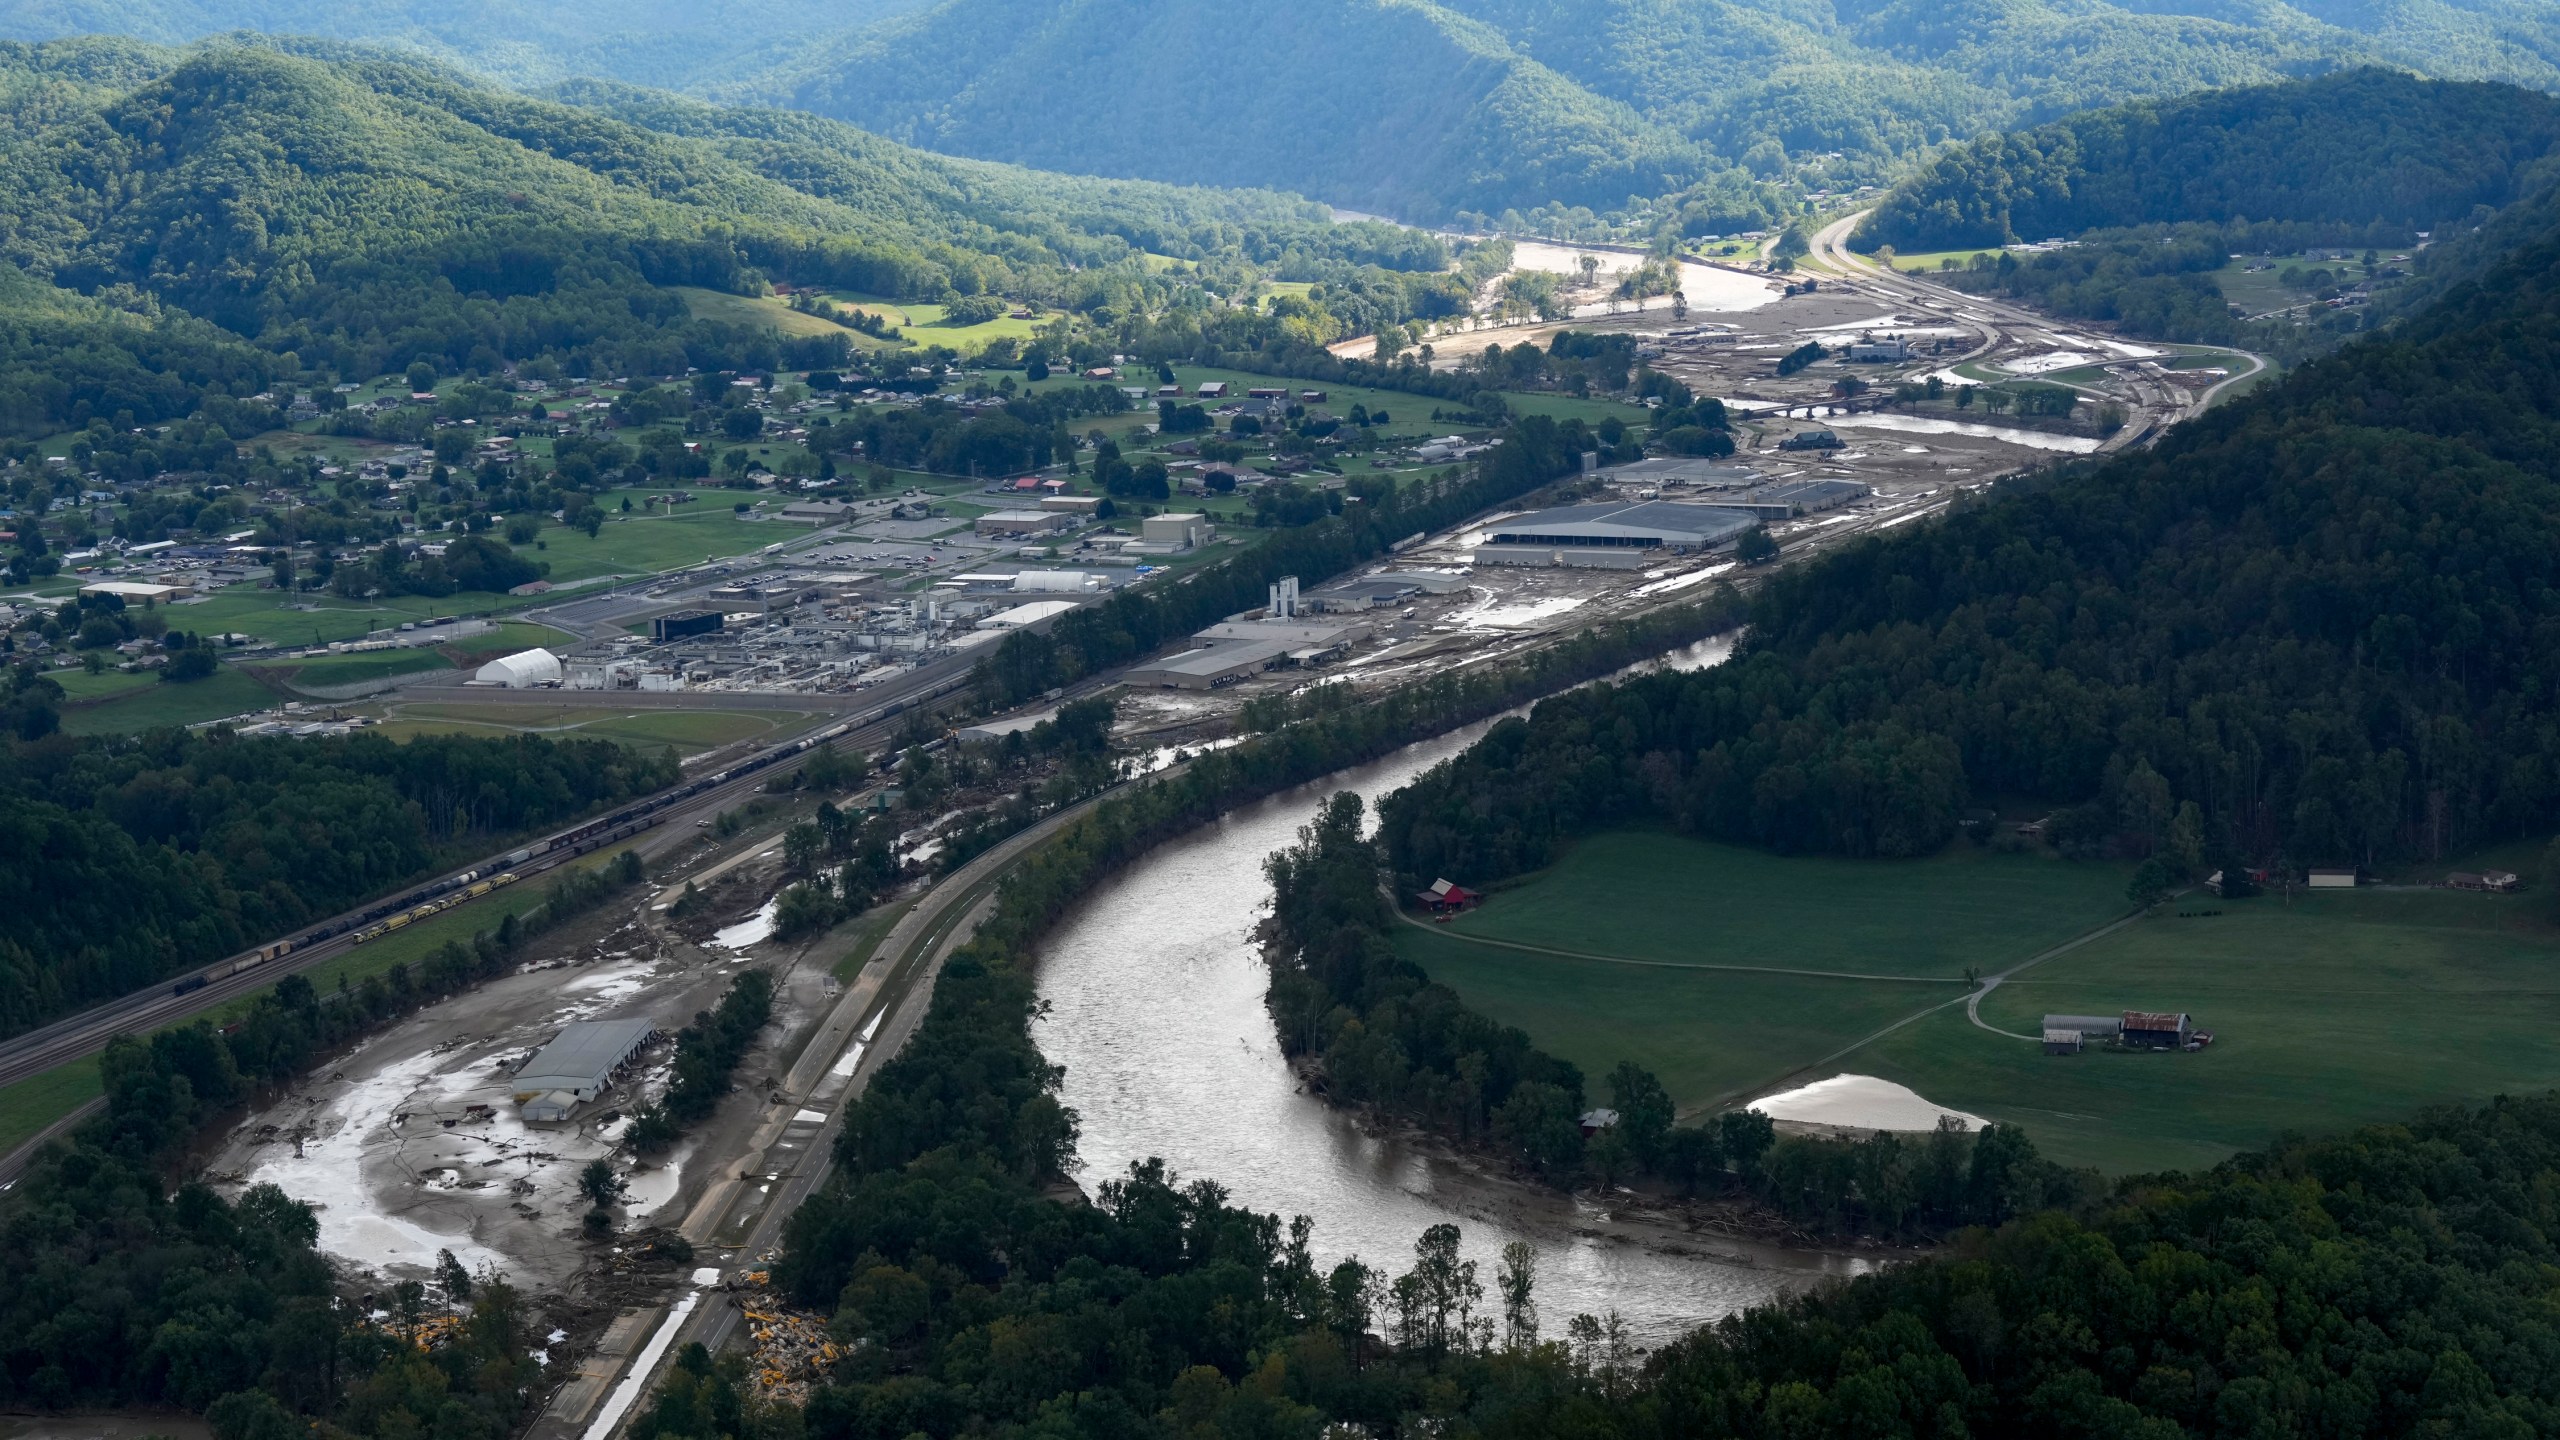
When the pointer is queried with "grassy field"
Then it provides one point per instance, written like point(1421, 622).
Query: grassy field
point(2327, 1012)
point(228, 691)
point(638, 544)
point(79, 687)
point(686, 731)
point(39, 1100)
point(2332, 1011)
point(1677, 907)
point(352, 669)
point(763, 312)
point(1931, 262)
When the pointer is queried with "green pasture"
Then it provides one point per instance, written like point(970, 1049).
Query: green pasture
point(2327, 1012)
point(1930, 262)
point(1650, 895)
point(39, 1100)
point(227, 691)
point(924, 323)
point(2330, 1011)
point(638, 544)
point(764, 312)
point(332, 670)
point(1723, 969)
point(686, 731)
point(79, 687)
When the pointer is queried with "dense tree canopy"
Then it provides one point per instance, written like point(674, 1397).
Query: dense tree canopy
point(2324, 616)
point(2365, 147)
point(146, 856)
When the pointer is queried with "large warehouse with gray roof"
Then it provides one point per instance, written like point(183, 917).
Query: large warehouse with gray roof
point(1611, 535)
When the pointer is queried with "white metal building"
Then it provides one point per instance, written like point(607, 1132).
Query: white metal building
point(520, 671)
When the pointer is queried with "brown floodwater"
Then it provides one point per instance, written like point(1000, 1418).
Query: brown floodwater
point(1155, 1008)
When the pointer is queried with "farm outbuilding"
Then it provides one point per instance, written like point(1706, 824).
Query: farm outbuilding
point(2089, 1027)
point(2062, 1042)
point(1444, 896)
point(2157, 1029)
point(2332, 879)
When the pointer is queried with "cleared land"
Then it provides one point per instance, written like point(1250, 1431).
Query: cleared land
point(1626, 930)
point(762, 312)
point(2332, 1011)
point(225, 692)
point(687, 731)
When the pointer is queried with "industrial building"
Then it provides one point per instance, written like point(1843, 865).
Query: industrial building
point(1613, 535)
point(1892, 349)
point(1052, 582)
point(1181, 532)
point(1790, 499)
point(1235, 650)
point(523, 670)
point(993, 732)
point(578, 1065)
point(134, 591)
point(683, 624)
point(1026, 615)
point(1024, 522)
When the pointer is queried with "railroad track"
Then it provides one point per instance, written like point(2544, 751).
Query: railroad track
point(75, 1037)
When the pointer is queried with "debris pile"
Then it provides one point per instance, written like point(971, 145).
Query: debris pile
point(788, 1350)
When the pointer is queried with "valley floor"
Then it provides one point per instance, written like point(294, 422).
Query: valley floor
point(2327, 1011)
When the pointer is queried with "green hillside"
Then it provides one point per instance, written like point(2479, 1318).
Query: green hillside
point(2356, 148)
point(1404, 106)
point(650, 42)
point(1367, 103)
point(375, 210)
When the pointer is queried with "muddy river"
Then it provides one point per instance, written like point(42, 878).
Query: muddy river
point(1155, 993)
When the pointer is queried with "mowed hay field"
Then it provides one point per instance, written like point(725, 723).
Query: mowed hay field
point(1642, 918)
point(2333, 1011)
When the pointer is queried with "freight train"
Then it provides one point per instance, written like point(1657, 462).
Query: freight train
point(393, 914)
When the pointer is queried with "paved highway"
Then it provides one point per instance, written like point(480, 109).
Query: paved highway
point(2161, 405)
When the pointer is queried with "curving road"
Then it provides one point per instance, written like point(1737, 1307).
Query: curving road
point(1994, 323)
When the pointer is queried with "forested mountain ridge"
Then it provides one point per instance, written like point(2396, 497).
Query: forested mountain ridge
point(647, 42)
point(377, 211)
point(1357, 102)
point(1378, 103)
point(1414, 108)
point(2316, 627)
point(2358, 148)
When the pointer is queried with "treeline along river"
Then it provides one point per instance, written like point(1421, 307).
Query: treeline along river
point(1154, 988)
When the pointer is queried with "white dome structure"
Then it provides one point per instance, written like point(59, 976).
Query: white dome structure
point(520, 671)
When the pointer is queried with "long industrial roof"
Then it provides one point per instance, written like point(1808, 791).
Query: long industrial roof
point(584, 1054)
point(1650, 522)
